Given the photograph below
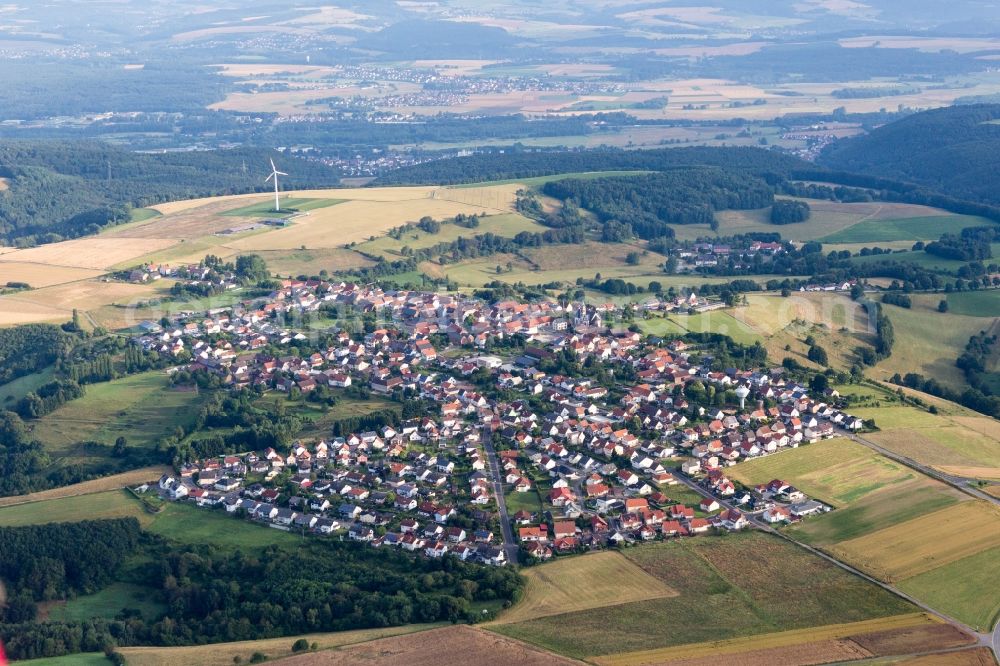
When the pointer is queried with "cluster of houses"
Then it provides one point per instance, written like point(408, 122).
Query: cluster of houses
point(602, 460)
point(193, 274)
point(782, 502)
point(578, 447)
point(845, 285)
point(710, 255)
point(379, 488)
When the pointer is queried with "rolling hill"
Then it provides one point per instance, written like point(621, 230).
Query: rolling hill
point(61, 189)
point(954, 150)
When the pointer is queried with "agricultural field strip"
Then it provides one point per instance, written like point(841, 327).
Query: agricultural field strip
point(921, 549)
point(763, 641)
point(819, 469)
point(221, 654)
point(925, 543)
point(92, 506)
point(719, 598)
point(113, 482)
point(612, 580)
point(84, 259)
point(459, 644)
point(958, 588)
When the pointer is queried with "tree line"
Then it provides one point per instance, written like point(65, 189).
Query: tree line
point(524, 163)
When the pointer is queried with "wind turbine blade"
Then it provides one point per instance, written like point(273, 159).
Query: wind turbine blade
point(269, 178)
point(281, 173)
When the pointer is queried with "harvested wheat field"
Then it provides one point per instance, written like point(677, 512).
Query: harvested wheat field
point(771, 314)
point(929, 44)
point(206, 33)
point(930, 541)
point(900, 634)
point(223, 654)
point(352, 221)
point(215, 205)
point(405, 193)
point(100, 252)
point(56, 303)
point(453, 66)
point(183, 205)
point(256, 70)
point(187, 224)
point(113, 482)
point(611, 579)
point(40, 275)
point(490, 197)
point(90, 294)
point(448, 646)
point(15, 313)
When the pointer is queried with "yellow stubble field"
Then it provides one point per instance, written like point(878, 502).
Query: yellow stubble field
point(56, 303)
point(64, 274)
point(13, 313)
point(353, 221)
point(349, 193)
point(41, 275)
point(99, 252)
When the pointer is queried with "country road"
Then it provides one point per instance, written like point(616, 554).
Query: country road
point(958, 482)
point(991, 640)
point(509, 544)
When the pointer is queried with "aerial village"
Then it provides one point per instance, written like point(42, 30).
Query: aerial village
point(511, 463)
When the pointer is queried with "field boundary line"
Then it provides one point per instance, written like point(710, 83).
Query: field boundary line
point(765, 641)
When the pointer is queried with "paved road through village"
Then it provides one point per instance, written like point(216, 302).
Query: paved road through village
point(509, 544)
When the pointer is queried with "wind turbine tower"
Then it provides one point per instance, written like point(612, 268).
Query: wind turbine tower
point(274, 174)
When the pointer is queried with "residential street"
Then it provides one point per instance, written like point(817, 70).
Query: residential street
point(509, 543)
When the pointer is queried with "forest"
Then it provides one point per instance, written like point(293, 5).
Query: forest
point(30, 348)
point(818, 61)
point(789, 212)
point(62, 189)
point(213, 593)
point(523, 163)
point(649, 203)
point(351, 135)
point(40, 88)
point(45, 562)
point(955, 150)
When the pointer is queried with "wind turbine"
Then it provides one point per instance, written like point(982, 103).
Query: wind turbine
point(274, 174)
